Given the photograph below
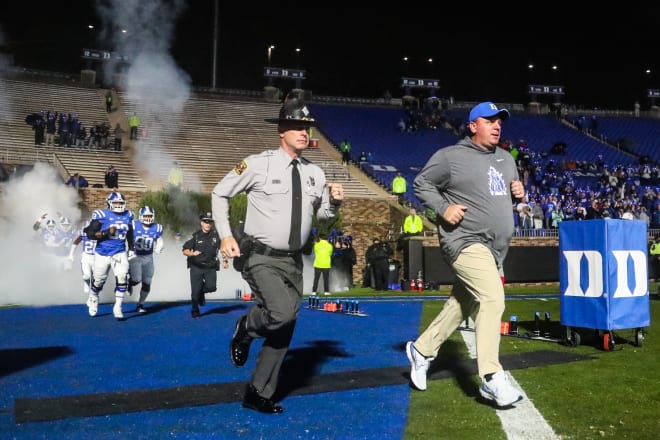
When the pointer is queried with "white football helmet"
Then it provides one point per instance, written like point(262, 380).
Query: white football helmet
point(65, 224)
point(50, 225)
point(116, 202)
point(147, 215)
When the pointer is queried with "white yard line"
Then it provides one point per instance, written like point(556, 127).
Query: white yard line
point(523, 421)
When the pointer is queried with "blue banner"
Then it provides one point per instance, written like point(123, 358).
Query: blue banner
point(603, 274)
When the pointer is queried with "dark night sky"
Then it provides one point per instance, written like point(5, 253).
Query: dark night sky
point(478, 54)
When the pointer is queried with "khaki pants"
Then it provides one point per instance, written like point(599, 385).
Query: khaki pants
point(478, 287)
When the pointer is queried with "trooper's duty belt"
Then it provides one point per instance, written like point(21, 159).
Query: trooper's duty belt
point(262, 249)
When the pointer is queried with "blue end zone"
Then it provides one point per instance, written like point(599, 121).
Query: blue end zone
point(344, 377)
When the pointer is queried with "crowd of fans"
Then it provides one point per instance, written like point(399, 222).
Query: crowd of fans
point(67, 130)
point(560, 188)
point(566, 190)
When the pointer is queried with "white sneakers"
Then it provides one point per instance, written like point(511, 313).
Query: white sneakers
point(93, 304)
point(327, 293)
point(500, 390)
point(116, 309)
point(419, 365)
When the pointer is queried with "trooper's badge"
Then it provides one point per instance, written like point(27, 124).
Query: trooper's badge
point(240, 167)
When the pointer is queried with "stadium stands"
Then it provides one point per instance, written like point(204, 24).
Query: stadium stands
point(17, 141)
point(209, 136)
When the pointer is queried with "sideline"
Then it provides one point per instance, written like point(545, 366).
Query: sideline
point(523, 421)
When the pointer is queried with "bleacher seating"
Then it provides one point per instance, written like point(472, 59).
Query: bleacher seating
point(542, 132)
point(17, 140)
point(640, 135)
point(374, 129)
point(211, 135)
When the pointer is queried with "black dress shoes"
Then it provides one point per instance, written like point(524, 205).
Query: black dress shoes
point(195, 314)
point(240, 343)
point(252, 400)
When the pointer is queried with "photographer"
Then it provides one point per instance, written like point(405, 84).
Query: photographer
point(202, 252)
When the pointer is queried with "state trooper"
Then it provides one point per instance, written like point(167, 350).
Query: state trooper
point(271, 244)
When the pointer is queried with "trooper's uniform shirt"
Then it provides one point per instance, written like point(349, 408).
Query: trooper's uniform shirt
point(266, 178)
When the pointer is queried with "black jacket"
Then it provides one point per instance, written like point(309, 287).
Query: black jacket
point(209, 245)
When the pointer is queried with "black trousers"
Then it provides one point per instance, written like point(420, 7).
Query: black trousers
point(381, 273)
point(326, 279)
point(202, 280)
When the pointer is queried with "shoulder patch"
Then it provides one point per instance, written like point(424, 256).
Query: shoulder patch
point(240, 167)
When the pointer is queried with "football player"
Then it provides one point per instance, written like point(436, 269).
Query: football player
point(147, 239)
point(112, 228)
point(86, 265)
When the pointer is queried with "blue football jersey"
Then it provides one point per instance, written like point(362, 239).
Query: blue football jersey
point(145, 236)
point(88, 245)
point(115, 243)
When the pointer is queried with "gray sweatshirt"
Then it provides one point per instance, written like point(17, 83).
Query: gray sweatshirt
point(465, 174)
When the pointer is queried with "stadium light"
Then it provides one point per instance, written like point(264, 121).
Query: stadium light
point(270, 53)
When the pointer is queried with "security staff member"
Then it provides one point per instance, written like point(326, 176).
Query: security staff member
point(412, 226)
point(202, 252)
point(377, 257)
point(273, 267)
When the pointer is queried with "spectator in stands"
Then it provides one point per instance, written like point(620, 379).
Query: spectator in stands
point(119, 133)
point(370, 157)
point(557, 216)
point(63, 130)
point(475, 226)
point(95, 135)
point(108, 101)
point(593, 211)
point(134, 124)
point(642, 214)
point(399, 187)
point(345, 149)
point(363, 158)
point(39, 127)
point(81, 139)
point(525, 214)
point(105, 134)
point(537, 216)
point(636, 109)
point(655, 218)
point(51, 128)
point(548, 204)
point(580, 213)
point(77, 181)
point(112, 178)
point(74, 127)
point(322, 262)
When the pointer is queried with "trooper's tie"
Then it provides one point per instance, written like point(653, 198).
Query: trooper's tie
point(296, 207)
